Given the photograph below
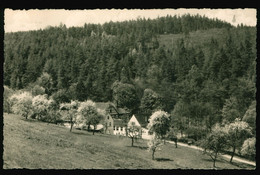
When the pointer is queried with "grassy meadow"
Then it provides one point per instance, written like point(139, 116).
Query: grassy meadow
point(36, 145)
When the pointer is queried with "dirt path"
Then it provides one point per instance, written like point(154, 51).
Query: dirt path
point(223, 155)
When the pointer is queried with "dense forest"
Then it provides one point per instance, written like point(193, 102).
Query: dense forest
point(200, 70)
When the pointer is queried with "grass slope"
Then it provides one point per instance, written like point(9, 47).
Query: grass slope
point(36, 145)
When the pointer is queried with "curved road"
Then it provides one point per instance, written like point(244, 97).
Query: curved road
point(223, 155)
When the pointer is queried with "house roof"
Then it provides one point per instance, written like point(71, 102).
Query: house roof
point(133, 121)
point(106, 105)
point(141, 120)
point(122, 111)
point(119, 122)
point(103, 105)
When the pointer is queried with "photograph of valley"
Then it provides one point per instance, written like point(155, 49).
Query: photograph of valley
point(129, 89)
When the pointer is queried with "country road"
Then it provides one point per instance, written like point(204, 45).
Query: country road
point(223, 155)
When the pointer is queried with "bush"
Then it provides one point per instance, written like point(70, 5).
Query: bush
point(196, 133)
point(61, 96)
point(249, 148)
point(201, 142)
point(38, 90)
point(183, 140)
point(171, 135)
point(250, 116)
point(190, 141)
point(186, 140)
point(53, 116)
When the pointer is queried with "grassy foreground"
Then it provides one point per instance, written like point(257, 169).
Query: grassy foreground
point(36, 145)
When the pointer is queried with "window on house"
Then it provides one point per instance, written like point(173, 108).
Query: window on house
point(109, 123)
point(121, 128)
point(114, 128)
point(107, 117)
point(133, 123)
point(117, 128)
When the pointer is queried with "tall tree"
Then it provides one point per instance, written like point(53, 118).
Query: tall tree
point(89, 114)
point(71, 110)
point(124, 95)
point(150, 102)
point(215, 142)
point(237, 132)
point(22, 104)
point(159, 124)
point(45, 80)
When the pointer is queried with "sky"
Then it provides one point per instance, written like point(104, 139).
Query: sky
point(24, 20)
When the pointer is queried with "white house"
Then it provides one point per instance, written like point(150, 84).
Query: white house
point(120, 126)
point(133, 122)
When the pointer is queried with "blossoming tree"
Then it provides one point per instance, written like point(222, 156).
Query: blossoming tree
point(159, 124)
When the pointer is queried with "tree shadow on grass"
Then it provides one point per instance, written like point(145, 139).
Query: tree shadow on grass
point(30, 120)
point(220, 160)
point(163, 159)
point(208, 160)
point(79, 133)
point(140, 147)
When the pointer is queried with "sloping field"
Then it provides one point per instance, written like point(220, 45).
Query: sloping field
point(36, 145)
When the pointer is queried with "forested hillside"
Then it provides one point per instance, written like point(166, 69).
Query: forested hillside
point(200, 70)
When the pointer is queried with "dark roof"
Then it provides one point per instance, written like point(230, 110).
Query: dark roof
point(141, 120)
point(122, 111)
point(103, 105)
point(119, 122)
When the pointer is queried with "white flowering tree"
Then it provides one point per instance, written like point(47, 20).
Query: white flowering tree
point(159, 124)
point(89, 114)
point(153, 144)
point(40, 105)
point(22, 103)
point(215, 142)
point(237, 132)
point(71, 110)
point(133, 132)
point(249, 147)
point(95, 119)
